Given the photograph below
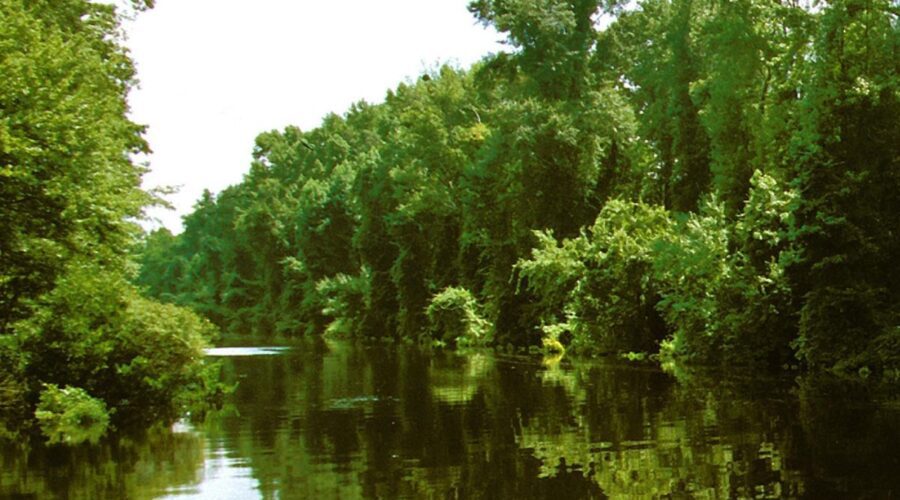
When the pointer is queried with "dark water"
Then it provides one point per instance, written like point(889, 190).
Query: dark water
point(344, 421)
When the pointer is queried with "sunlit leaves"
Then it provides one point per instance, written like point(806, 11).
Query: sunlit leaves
point(692, 170)
point(69, 198)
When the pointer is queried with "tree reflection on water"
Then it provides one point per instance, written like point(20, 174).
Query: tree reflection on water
point(349, 421)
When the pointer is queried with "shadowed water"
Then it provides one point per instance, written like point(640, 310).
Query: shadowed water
point(348, 421)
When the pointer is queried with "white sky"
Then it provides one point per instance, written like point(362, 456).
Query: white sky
point(215, 73)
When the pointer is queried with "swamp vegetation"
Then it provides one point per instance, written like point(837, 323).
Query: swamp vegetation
point(707, 183)
point(714, 182)
point(80, 347)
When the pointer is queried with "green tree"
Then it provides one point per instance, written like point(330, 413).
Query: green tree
point(846, 169)
point(69, 198)
point(756, 141)
point(68, 186)
point(554, 38)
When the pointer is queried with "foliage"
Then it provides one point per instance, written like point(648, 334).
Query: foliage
point(14, 406)
point(715, 178)
point(846, 167)
point(725, 294)
point(614, 299)
point(70, 415)
point(551, 274)
point(343, 299)
point(454, 318)
point(70, 197)
point(693, 266)
point(143, 358)
point(68, 188)
point(157, 274)
point(603, 280)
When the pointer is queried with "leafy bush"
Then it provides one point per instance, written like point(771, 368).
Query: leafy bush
point(880, 357)
point(159, 360)
point(598, 288)
point(69, 201)
point(718, 284)
point(725, 294)
point(142, 358)
point(553, 271)
point(836, 324)
point(761, 317)
point(454, 318)
point(343, 299)
point(614, 301)
point(71, 415)
point(692, 267)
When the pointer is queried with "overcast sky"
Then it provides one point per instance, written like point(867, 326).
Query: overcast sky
point(215, 73)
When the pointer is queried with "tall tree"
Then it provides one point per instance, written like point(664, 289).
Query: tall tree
point(847, 158)
point(69, 198)
point(69, 189)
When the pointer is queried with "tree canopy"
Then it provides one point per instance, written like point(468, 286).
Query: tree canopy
point(716, 180)
point(70, 197)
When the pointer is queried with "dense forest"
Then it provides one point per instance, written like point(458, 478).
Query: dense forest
point(80, 348)
point(716, 181)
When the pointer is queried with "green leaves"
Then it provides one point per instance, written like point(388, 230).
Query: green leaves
point(554, 39)
point(713, 290)
point(724, 289)
point(68, 187)
point(70, 415)
point(69, 197)
point(694, 173)
point(845, 167)
point(454, 319)
point(601, 281)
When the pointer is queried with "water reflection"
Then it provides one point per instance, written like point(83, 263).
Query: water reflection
point(221, 477)
point(245, 351)
point(140, 465)
point(347, 421)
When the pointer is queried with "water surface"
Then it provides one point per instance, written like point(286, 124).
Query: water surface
point(246, 351)
point(349, 421)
